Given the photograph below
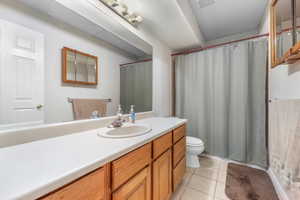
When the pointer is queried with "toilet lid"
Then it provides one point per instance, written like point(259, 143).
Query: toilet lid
point(192, 141)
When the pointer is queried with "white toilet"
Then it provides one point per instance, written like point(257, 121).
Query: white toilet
point(194, 147)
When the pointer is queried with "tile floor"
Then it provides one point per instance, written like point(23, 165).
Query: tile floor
point(204, 183)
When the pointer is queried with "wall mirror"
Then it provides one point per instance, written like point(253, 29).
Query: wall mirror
point(284, 48)
point(75, 76)
point(79, 67)
point(136, 86)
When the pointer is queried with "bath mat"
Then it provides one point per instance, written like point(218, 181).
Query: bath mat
point(245, 183)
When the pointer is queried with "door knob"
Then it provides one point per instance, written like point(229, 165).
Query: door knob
point(39, 106)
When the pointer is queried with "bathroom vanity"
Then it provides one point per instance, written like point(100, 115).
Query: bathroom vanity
point(145, 167)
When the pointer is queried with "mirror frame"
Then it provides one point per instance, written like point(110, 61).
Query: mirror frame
point(293, 54)
point(64, 67)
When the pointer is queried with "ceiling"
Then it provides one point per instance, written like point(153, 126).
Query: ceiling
point(179, 24)
point(168, 20)
point(87, 18)
point(227, 17)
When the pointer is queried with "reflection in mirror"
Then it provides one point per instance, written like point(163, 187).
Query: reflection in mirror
point(284, 28)
point(297, 10)
point(136, 86)
point(79, 68)
point(40, 87)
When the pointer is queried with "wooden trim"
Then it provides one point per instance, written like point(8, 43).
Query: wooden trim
point(140, 61)
point(274, 2)
point(273, 34)
point(291, 55)
point(108, 182)
point(64, 67)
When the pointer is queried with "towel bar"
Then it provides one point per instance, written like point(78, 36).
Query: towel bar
point(70, 100)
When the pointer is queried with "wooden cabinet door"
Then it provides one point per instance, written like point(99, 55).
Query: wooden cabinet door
point(90, 187)
point(137, 188)
point(178, 173)
point(162, 177)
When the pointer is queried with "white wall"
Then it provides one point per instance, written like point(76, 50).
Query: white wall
point(162, 61)
point(58, 35)
point(285, 81)
point(264, 25)
point(231, 38)
point(162, 65)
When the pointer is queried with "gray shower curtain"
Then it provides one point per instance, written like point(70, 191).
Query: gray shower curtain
point(222, 92)
point(136, 86)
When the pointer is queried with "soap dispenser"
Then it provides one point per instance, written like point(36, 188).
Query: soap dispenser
point(132, 114)
point(119, 113)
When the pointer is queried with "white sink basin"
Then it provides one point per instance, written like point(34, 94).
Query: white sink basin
point(127, 130)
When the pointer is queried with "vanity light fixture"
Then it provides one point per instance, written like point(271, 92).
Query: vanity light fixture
point(122, 10)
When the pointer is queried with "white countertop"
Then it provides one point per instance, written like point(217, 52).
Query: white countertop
point(31, 170)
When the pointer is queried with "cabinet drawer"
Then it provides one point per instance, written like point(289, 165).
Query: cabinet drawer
point(178, 151)
point(137, 188)
point(178, 173)
point(127, 166)
point(92, 186)
point(161, 144)
point(178, 133)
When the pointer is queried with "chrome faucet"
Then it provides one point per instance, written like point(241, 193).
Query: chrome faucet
point(119, 121)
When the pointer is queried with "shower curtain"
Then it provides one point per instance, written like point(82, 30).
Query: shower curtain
point(136, 86)
point(222, 92)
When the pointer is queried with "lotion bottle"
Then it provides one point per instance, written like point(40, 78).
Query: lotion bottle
point(132, 114)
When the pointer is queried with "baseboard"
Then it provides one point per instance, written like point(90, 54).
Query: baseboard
point(279, 189)
point(233, 161)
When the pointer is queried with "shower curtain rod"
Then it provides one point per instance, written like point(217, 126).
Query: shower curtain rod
point(226, 43)
point(200, 49)
point(140, 61)
point(214, 46)
point(218, 45)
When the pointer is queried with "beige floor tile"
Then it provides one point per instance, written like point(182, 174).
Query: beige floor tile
point(210, 173)
point(202, 184)
point(208, 162)
point(222, 176)
point(190, 170)
point(186, 178)
point(223, 166)
point(178, 193)
point(220, 191)
point(191, 194)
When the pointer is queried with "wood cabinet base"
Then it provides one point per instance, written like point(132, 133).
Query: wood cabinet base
point(147, 173)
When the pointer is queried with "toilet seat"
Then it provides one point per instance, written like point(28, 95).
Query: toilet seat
point(193, 141)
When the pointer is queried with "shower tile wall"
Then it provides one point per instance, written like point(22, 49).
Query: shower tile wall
point(284, 142)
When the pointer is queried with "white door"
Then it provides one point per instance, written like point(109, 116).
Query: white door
point(22, 76)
